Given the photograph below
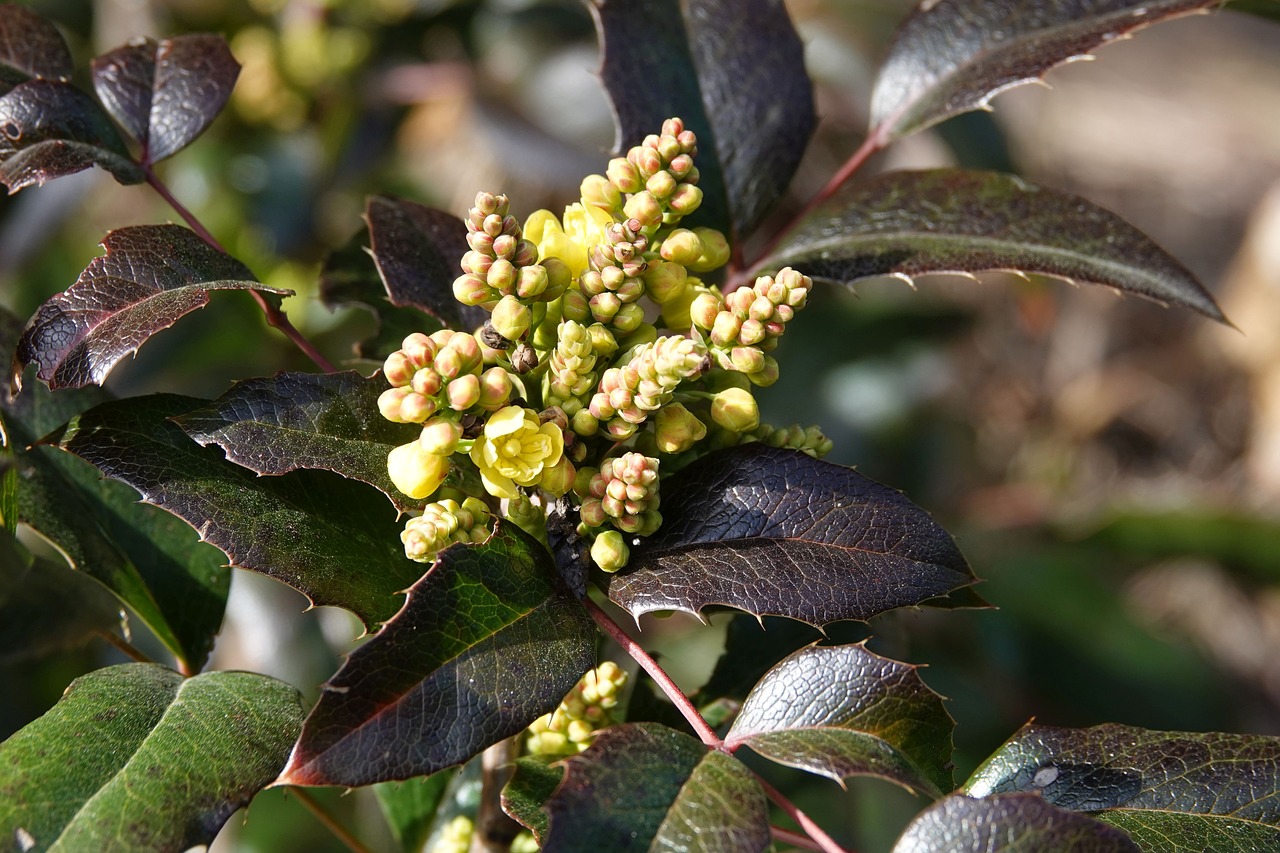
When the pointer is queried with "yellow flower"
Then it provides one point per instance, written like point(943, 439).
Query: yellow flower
point(515, 450)
point(416, 471)
point(584, 226)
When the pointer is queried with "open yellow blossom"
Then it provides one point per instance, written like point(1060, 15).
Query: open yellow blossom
point(516, 450)
point(416, 471)
point(584, 226)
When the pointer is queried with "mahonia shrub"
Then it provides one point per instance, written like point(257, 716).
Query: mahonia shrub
point(573, 421)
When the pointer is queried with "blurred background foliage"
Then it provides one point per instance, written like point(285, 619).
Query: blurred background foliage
point(1111, 468)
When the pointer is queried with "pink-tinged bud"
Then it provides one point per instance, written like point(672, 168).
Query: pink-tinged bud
point(558, 479)
point(619, 430)
point(574, 306)
point(592, 513)
point(448, 363)
point(739, 302)
point(532, 281)
point(416, 472)
point(767, 375)
point(488, 203)
point(419, 348)
point(752, 332)
point(585, 424)
point(389, 403)
point(480, 242)
point(468, 349)
point(673, 126)
point(526, 253)
point(426, 381)
point(511, 225)
point(398, 369)
point(440, 436)
point(603, 341)
point(680, 165)
point(725, 329)
point(604, 306)
point(591, 282)
point(495, 389)
point(688, 141)
point(492, 225)
point(676, 429)
point(501, 276)
point(559, 277)
point(704, 310)
point(747, 359)
point(682, 246)
point(648, 161)
point(685, 199)
point(505, 246)
point(628, 318)
point(630, 290)
point(511, 318)
point(761, 309)
point(476, 262)
point(736, 410)
point(612, 278)
point(416, 408)
point(645, 209)
point(662, 184)
point(669, 146)
point(599, 192)
point(624, 175)
point(715, 250)
point(464, 392)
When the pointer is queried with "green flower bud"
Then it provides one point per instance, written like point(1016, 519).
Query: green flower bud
point(585, 424)
point(501, 276)
point(664, 281)
point(767, 375)
point(511, 318)
point(676, 429)
point(685, 200)
point(598, 191)
point(532, 281)
point(662, 184)
point(682, 246)
point(604, 306)
point(736, 410)
point(558, 479)
point(724, 330)
point(559, 277)
point(472, 289)
point(715, 249)
point(610, 551)
point(747, 359)
point(464, 392)
point(574, 306)
point(628, 318)
point(603, 342)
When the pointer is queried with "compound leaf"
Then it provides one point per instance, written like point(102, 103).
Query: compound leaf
point(1172, 791)
point(136, 757)
point(1009, 823)
point(734, 72)
point(961, 221)
point(678, 795)
point(30, 46)
point(953, 56)
point(487, 641)
point(776, 532)
point(150, 276)
point(165, 94)
point(842, 711)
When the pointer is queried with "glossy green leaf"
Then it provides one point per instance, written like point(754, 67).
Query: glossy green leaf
point(776, 532)
point(733, 70)
point(959, 221)
point(136, 757)
point(1173, 791)
point(488, 641)
point(534, 781)
point(842, 711)
point(952, 56)
point(1008, 823)
point(306, 420)
point(30, 46)
point(667, 792)
point(335, 540)
point(410, 807)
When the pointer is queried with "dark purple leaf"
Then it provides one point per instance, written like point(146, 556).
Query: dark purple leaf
point(166, 94)
point(952, 56)
point(306, 420)
point(779, 533)
point(30, 47)
point(49, 128)
point(418, 251)
point(959, 221)
point(486, 642)
point(1013, 823)
point(734, 71)
point(150, 276)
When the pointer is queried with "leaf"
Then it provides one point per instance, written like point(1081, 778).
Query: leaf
point(534, 781)
point(667, 792)
point(733, 70)
point(1174, 791)
point(486, 642)
point(775, 532)
point(328, 537)
point(150, 276)
point(952, 56)
point(1011, 823)
point(410, 807)
point(751, 648)
point(418, 251)
point(135, 757)
point(960, 221)
point(306, 420)
point(30, 46)
point(842, 711)
point(1265, 8)
point(166, 94)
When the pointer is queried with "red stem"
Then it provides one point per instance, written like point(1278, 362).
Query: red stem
point(825, 842)
point(275, 317)
point(795, 839)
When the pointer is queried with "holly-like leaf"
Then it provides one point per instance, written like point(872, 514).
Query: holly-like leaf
point(150, 276)
point(333, 539)
point(49, 128)
point(165, 94)
point(669, 793)
point(960, 221)
point(410, 807)
point(305, 420)
point(776, 532)
point(136, 757)
point(30, 46)
point(734, 71)
point(952, 56)
point(487, 642)
point(417, 250)
point(842, 711)
point(1172, 791)
point(1011, 823)
point(534, 781)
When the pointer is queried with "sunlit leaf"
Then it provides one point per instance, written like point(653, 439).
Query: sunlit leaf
point(531, 785)
point(1011, 823)
point(30, 46)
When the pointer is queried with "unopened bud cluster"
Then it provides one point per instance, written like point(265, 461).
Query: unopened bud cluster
point(630, 393)
point(455, 837)
point(746, 324)
point(569, 729)
point(443, 524)
point(623, 493)
point(808, 440)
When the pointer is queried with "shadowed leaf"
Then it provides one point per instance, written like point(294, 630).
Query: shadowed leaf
point(411, 806)
point(959, 221)
point(306, 420)
point(150, 276)
point(532, 784)
point(670, 791)
point(165, 94)
point(779, 533)
point(1172, 791)
point(487, 642)
point(952, 56)
point(734, 71)
point(30, 47)
point(842, 711)
point(1013, 823)
point(171, 759)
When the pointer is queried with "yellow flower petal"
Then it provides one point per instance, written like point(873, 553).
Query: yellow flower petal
point(416, 472)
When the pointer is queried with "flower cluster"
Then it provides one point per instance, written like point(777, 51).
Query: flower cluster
point(588, 707)
point(443, 524)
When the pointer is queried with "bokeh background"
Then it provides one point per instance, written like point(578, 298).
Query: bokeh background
point(1109, 466)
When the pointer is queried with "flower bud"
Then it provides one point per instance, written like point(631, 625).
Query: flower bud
point(471, 289)
point(725, 329)
point(685, 200)
point(628, 318)
point(415, 471)
point(501, 276)
point(624, 175)
point(736, 410)
point(715, 249)
point(526, 253)
point(604, 306)
point(440, 436)
point(585, 424)
point(416, 408)
point(495, 389)
point(427, 382)
point(398, 369)
point(558, 479)
point(511, 318)
point(559, 277)
point(662, 184)
point(574, 306)
point(448, 364)
point(532, 281)
point(598, 191)
point(705, 310)
point(610, 551)
point(464, 392)
point(664, 281)
point(747, 359)
point(676, 429)
point(504, 247)
point(682, 246)
point(603, 341)
point(766, 375)
point(645, 209)
point(389, 403)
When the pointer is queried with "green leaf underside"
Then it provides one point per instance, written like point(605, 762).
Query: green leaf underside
point(487, 642)
point(410, 807)
point(531, 785)
point(171, 759)
point(733, 70)
point(166, 94)
point(963, 221)
point(30, 46)
point(333, 539)
point(1219, 786)
point(642, 786)
point(49, 128)
point(306, 420)
point(776, 532)
point(1008, 823)
point(953, 56)
point(150, 276)
point(842, 711)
